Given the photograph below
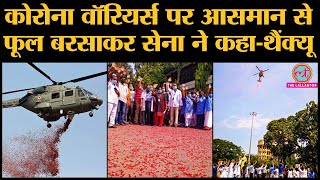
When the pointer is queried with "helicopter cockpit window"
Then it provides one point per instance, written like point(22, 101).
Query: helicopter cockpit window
point(68, 93)
point(80, 93)
point(88, 92)
point(55, 95)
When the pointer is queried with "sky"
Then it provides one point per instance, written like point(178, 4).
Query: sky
point(236, 95)
point(83, 148)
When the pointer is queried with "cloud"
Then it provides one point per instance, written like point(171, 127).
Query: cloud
point(236, 122)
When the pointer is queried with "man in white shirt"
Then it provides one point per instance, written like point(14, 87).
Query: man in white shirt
point(113, 96)
point(175, 103)
point(122, 104)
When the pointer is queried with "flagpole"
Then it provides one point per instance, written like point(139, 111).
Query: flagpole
point(252, 114)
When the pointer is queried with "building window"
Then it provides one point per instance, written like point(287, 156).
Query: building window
point(55, 95)
point(68, 93)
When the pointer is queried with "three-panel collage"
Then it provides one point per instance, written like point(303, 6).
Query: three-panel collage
point(160, 120)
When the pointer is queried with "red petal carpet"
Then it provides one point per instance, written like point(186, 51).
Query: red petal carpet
point(152, 151)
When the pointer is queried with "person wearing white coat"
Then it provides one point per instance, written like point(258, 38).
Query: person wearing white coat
point(175, 103)
point(223, 171)
point(290, 172)
point(237, 171)
point(303, 172)
point(230, 169)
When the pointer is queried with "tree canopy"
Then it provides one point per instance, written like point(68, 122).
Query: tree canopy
point(225, 150)
point(156, 73)
point(152, 73)
point(296, 134)
point(202, 74)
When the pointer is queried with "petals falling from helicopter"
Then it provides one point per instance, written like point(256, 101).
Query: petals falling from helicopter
point(151, 151)
point(258, 86)
point(33, 155)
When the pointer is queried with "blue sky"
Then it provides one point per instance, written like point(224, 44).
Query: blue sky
point(236, 95)
point(85, 138)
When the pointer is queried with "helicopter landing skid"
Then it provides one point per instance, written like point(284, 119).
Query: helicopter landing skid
point(91, 113)
point(48, 125)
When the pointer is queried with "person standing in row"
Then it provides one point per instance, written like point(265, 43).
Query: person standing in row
point(128, 102)
point(194, 99)
point(160, 107)
point(132, 108)
point(200, 110)
point(138, 90)
point(175, 103)
point(113, 97)
point(188, 110)
point(122, 104)
point(208, 110)
point(149, 105)
point(142, 120)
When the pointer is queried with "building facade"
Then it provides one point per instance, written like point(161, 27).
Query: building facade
point(263, 152)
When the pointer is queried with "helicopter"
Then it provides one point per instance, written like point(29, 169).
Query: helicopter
point(51, 102)
point(260, 73)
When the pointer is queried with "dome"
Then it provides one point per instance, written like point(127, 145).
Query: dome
point(261, 142)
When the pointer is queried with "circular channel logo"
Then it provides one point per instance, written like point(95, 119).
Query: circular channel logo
point(302, 73)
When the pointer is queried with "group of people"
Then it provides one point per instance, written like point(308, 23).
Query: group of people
point(233, 169)
point(164, 105)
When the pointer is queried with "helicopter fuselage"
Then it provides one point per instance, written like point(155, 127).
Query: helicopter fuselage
point(54, 101)
point(261, 74)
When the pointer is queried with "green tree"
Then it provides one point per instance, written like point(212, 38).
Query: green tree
point(280, 138)
point(306, 133)
point(253, 158)
point(152, 73)
point(225, 150)
point(291, 160)
point(296, 134)
point(202, 75)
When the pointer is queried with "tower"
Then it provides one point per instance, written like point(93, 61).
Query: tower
point(263, 152)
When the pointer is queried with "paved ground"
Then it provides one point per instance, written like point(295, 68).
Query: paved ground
point(152, 151)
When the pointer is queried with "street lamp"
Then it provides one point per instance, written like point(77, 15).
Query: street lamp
point(251, 114)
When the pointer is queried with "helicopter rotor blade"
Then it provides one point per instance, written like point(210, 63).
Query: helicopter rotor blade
point(43, 73)
point(258, 68)
point(265, 70)
point(255, 74)
point(9, 92)
point(85, 77)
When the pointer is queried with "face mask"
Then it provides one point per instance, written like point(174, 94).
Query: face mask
point(151, 89)
point(174, 87)
point(189, 95)
point(210, 95)
point(131, 88)
point(160, 92)
point(122, 81)
point(114, 82)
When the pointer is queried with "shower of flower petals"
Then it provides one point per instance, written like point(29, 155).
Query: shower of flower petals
point(152, 151)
